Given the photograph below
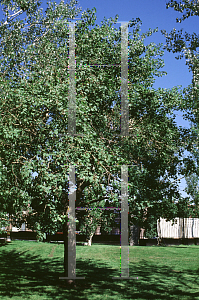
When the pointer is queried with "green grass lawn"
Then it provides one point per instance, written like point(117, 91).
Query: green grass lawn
point(31, 270)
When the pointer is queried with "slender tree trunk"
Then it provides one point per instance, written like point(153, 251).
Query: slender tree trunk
point(159, 232)
point(68, 282)
point(81, 185)
point(134, 235)
point(90, 235)
point(65, 235)
point(9, 231)
point(90, 239)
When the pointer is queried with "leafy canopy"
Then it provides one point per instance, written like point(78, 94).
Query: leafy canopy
point(34, 119)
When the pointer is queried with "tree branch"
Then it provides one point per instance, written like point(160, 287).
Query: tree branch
point(13, 16)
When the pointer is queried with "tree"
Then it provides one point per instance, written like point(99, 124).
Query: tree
point(186, 45)
point(89, 221)
point(35, 124)
point(19, 139)
point(192, 182)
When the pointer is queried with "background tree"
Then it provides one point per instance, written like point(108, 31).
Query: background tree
point(192, 181)
point(186, 45)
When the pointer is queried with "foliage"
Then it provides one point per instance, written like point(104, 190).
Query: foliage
point(4, 222)
point(21, 140)
point(192, 181)
point(34, 119)
point(186, 45)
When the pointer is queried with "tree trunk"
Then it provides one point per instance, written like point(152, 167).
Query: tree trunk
point(65, 236)
point(9, 229)
point(89, 235)
point(90, 239)
point(159, 232)
point(68, 269)
point(134, 235)
point(68, 282)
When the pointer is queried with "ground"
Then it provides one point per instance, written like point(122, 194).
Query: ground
point(31, 270)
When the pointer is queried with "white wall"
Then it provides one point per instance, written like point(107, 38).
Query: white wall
point(166, 230)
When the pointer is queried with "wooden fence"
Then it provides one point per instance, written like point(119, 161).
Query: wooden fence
point(184, 228)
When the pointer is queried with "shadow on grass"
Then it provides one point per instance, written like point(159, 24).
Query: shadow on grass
point(24, 275)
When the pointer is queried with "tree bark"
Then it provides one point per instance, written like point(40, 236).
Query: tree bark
point(159, 232)
point(80, 186)
point(134, 235)
point(9, 229)
point(90, 239)
point(68, 282)
point(65, 236)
